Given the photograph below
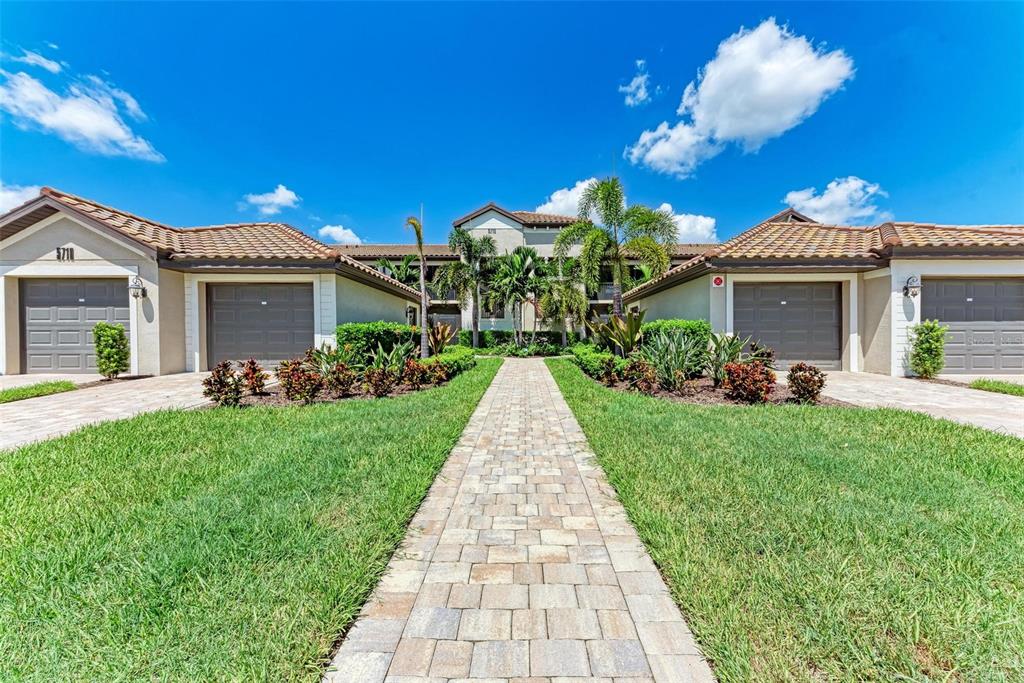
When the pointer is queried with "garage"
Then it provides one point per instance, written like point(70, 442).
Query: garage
point(801, 321)
point(57, 317)
point(985, 318)
point(268, 322)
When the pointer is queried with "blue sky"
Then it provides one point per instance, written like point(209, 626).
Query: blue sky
point(351, 115)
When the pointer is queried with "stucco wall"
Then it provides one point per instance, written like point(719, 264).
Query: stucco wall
point(359, 303)
point(10, 361)
point(172, 321)
point(33, 253)
point(507, 234)
point(876, 324)
point(690, 300)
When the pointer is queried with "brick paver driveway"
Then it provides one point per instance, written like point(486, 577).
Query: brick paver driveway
point(998, 412)
point(520, 563)
point(33, 419)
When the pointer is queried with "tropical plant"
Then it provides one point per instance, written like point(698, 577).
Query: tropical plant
point(111, 344)
point(640, 375)
point(622, 234)
point(326, 357)
point(393, 358)
point(339, 378)
point(469, 274)
point(416, 226)
point(725, 349)
point(564, 299)
point(363, 338)
point(298, 381)
point(414, 373)
point(675, 358)
point(380, 381)
point(623, 333)
point(404, 271)
point(439, 337)
point(751, 382)
point(223, 386)
point(805, 382)
point(515, 274)
point(254, 377)
point(928, 348)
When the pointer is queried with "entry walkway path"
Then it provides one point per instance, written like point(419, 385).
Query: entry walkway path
point(520, 564)
point(34, 419)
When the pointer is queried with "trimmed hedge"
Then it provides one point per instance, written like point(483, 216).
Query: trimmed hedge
point(455, 359)
point(364, 337)
point(698, 330)
point(493, 338)
point(592, 361)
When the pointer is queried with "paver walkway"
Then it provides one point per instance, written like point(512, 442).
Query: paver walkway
point(34, 419)
point(520, 564)
point(14, 381)
point(998, 412)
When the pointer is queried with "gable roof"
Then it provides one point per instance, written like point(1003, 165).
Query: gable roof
point(524, 218)
point(362, 251)
point(235, 241)
point(930, 235)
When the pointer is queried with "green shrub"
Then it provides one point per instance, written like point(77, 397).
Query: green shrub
point(697, 330)
point(364, 338)
point(928, 348)
point(454, 360)
point(595, 363)
point(496, 338)
point(725, 349)
point(675, 357)
point(112, 353)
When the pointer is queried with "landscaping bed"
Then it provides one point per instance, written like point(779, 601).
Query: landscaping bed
point(702, 391)
point(212, 545)
point(813, 543)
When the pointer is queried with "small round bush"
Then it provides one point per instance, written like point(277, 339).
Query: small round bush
point(751, 382)
point(805, 382)
point(112, 353)
point(224, 385)
point(928, 348)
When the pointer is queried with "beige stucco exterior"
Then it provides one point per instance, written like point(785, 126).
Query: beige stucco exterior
point(359, 303)
point(876, 322)
point(690, 300)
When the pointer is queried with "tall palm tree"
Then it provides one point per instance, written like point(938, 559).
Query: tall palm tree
point(539, 284)
point(565, 299)
point(403, 271)
point(511, 281)
point(416, 226)
point(469, 274)
point(637, 232)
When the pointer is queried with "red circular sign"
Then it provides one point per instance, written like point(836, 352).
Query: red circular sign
point(718, 280)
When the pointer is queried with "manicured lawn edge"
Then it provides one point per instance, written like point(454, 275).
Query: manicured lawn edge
point(34, 390)
point(214, 544)
point(818, 543)
point(998, 386)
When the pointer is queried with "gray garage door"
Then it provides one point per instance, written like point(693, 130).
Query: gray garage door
point(801, 321)
point(57, 318)
point(265, 322)
point(985, 319)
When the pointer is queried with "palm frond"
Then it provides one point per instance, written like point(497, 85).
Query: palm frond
point(648, 252)
point(593, 254)
point(643, 221)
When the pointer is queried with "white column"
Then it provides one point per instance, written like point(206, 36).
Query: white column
point(854, 325)
point(3, 325)
point(133, 331)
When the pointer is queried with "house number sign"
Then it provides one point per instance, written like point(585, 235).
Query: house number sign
point(65, 253)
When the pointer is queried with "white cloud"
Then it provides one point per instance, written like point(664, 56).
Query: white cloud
point(844, 201)
point(271, 203)
point(16, 195)
point(339, 234)
point(88, 115)
point(691, 227)
point(565, 202)
point(761, 83)
point(636, 90)
point(36, 59)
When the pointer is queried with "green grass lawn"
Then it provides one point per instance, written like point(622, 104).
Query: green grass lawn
point(33, 390)
point(998, 386)
point(212, 545)
point(807, 543)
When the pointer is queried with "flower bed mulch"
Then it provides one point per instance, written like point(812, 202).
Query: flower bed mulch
point(705, 393)
point(274, 396)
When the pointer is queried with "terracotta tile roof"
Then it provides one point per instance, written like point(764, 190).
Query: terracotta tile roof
point(363, 251)
point(801, 240)
point(534, 218)
point(240, 241)
point(930, 235)
point(690, 249)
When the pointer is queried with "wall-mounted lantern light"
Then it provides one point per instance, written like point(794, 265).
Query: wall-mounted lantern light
point(912, 287)
point(136, 288)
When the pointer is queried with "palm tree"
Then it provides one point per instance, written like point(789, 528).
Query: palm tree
point(416, 226)
point(565, 299)
point(637, 232)
point(403, 271)
point(469, 274)
point(539, 284)
point(510, 284)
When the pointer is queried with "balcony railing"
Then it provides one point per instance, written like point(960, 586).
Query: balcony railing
point(603, 293)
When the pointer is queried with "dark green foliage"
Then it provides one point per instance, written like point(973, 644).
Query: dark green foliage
point(393, 358)
point(751, 382)
point(675, 356)
point(454, 360)
point(805, 382)
point(697, 330)
point(496, 338)
point(928, 348)
point(621, 333)
point(639, 374)
point(725, 349)
point(112, 354)
point(254, 377)
point(596, 363)
point(380, 381)
point(364, 338)
point(224, 385)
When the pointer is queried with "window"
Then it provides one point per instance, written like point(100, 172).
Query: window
point(492, 231)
